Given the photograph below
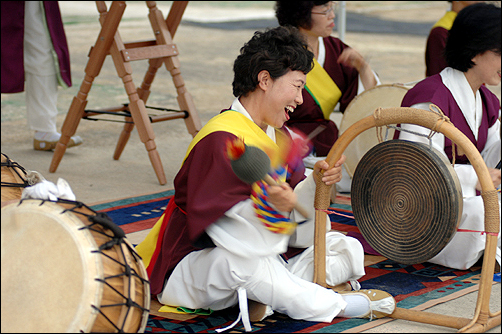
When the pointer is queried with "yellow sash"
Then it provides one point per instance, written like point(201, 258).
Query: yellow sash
point(446, 21)
point(236, 123)
point(146, 248)
point(323, 89)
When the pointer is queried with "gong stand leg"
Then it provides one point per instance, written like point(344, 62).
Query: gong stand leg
point(483, 319)
point(321, 203)
point(429, 318)
point(320, 249)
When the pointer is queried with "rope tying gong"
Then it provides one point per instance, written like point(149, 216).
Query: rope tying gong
point(407, 200)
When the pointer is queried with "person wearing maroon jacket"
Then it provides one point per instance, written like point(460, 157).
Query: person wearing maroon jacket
point(436, 41)
point(35, 58)
point(473, 55)
point(214, 248)
point(340, 73)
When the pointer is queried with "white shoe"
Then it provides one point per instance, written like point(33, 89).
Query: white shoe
point(48, 141)
point(382, 304)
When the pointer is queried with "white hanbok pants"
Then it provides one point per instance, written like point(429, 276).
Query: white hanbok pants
point(211, 277)
point(465, 248)
point(41, 84)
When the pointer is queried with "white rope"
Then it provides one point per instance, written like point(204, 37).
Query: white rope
point(356, 286)
point(243, 314)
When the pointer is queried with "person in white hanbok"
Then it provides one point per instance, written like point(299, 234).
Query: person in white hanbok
point(216, 251)
point(473, 56)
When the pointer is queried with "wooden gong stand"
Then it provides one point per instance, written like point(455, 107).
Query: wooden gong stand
point(159, 51)
point(483, 319)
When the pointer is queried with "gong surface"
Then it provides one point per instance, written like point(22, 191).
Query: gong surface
point(407, 200)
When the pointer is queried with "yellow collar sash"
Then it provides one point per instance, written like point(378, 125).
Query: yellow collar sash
point(241, 126)
point(446, 21)
point(323, 89)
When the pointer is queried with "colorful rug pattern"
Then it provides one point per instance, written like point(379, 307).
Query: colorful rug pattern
point(411, 285)
point(136, 213)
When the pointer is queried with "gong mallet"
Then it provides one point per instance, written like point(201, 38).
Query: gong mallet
point(252, 164)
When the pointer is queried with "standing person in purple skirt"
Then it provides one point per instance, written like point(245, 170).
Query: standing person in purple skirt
point(36, 59)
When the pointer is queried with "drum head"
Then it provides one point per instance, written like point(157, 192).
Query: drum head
point(407, 200)
point(363, 105)
point(48, 270)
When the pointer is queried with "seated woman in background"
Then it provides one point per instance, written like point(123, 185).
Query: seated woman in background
point(436, 41)
point(339, 74)
point(473, 56)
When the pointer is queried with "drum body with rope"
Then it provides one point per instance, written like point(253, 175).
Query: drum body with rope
point(66, 268)
point(407, 200)
point(363, 105)
point(13, 179)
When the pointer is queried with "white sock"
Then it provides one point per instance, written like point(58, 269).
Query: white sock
point(357, 306)
point(47, 136)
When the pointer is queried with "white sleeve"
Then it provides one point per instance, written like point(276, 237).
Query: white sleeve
point(304, 233)
point(360, 87)
point(491, 152)
point(466, 173)
point(417, 133)
point(240, 232)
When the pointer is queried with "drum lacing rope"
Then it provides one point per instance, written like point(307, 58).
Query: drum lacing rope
point(128, 301)
point(128, 272)
point(101, 218)
point(14, 166)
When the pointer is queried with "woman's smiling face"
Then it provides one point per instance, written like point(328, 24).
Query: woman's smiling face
point(487, 67)
point(283, 95)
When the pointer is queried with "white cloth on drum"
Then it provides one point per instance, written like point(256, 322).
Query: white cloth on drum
point(49, 191)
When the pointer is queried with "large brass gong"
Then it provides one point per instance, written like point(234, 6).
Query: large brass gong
point(407, 200)
point(483, 319)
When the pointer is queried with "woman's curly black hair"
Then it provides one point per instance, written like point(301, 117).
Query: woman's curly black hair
point(296, 13)
point(476, 29)
point(277, 50)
